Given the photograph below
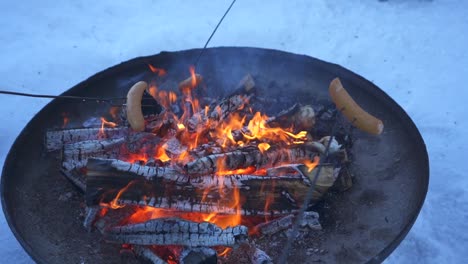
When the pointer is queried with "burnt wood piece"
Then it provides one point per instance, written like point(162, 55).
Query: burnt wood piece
point(247, 253)
point(112, 217)
point(90, 216)
point(310, 220)
point(75, 155)
point(166, 188)
point(175, 231)
point(144, 252)
point(275, 226)
point(78, 179)
point(55, 139)
point(245, 158)
point(198, 255)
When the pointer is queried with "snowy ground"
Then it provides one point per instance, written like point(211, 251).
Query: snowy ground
point(414, 50)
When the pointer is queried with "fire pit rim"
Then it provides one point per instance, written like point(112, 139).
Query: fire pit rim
point(9, 212)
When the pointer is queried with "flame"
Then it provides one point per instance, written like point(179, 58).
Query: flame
point(66, 119)
point(263, 147)
point(160, 72)
point(196, 125)
point(311, 164)
point(161, 154)
point(114, 204)
point(248, 170)
point(153, 90)
point(224, 252)
point(105, 123)
point(193, 76)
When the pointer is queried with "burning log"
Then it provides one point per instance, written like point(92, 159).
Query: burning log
point(299, 116)
point(56, 139)
point(175, 231)
point(166, 188)
point(111, 218)
point(220, 111)
point(244, 159)
point(75, 155)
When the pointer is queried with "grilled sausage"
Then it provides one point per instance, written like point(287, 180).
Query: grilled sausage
point(352, 111)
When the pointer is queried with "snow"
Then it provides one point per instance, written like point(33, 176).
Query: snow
point(412, 49)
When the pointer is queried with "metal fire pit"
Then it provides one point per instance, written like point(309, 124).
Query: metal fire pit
point(364, 224)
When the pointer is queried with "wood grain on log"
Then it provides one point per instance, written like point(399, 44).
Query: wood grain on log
point(167, 188)
point(57, 138)
point(243, 159)
point(75, 155)
point(146, 253)
point(175, 231)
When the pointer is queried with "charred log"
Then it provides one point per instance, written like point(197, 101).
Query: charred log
point(309, 220)
point(175, 231)
point(76, 178)
point(75, 155)
point(166, 188)
point(220, 111)
point(243, 159)
point(147, 254)
point(198, 255)
point(248, 253)
point(57, 138)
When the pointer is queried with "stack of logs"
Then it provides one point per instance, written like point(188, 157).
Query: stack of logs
point(99, 161)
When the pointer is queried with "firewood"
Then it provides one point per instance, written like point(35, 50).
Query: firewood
point(352, 111)
point(275, 226)
point(248, 253)
point(170, 189)
point(243, 159)
point(113, 217)
point(134, 113)
point(217, 113)
point(175, 231)
point(302, 117)
point(76, 178)
point(55, 139)
point(90, 216)
point(310, 220)
point(75, 155)
point(198, 255)
point(230, 104)
point(144, 252)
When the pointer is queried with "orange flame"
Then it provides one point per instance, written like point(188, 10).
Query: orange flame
point(105, 123)
point(263, 147)
point(160, 72)
point(161, 154)
point(66, 119)
point(311, 164)
point(193, 76)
